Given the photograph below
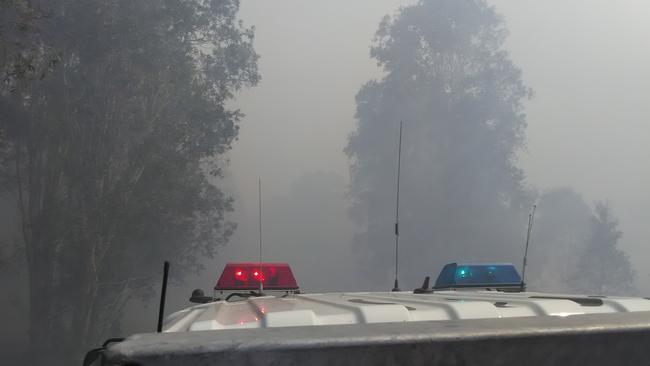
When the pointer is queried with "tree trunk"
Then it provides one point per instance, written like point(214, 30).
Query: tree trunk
point(44, 340)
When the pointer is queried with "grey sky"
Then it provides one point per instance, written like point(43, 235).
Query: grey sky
point(588, 123)
point(589, 63)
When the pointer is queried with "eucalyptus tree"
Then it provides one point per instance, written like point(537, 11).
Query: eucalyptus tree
point(112, 156)
point(448, 77)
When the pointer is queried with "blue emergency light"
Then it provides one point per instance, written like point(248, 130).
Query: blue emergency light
point(491, 275)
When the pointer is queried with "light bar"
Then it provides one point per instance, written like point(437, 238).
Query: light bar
point(488, 275)
point(247, 276)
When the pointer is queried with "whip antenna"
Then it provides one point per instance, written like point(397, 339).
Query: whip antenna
point(531, 219)
point(163, 295)
point(399, 161)
point(259, 197)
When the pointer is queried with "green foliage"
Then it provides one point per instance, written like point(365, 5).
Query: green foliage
point(460, 97)
point(23, 54)
point(110, 155)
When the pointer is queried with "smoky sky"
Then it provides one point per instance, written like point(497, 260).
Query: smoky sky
point(588, 63)
point(587, 128)
point(587, 123)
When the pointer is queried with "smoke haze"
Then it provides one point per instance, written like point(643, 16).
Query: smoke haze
point(586, 141)
point(586, 63)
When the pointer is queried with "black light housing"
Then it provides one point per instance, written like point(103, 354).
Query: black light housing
point(198, 297)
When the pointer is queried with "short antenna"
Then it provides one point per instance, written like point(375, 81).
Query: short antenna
point(531, 219)
point(163, 295)
point(259, 196)
point(399, 161)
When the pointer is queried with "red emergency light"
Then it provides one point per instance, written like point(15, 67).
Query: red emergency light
point(247, 276)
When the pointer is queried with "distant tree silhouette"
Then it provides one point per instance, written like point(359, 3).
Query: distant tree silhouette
point(560, 233)
point(603, 268)
point(449, 79)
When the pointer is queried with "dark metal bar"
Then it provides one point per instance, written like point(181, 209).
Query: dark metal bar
point(163, 294)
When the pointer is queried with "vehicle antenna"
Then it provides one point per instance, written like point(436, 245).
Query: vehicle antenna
point(531, 219)
point(259, 196)
point(399, 161)
point(163, 294)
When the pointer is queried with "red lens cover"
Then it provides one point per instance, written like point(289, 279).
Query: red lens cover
point(247, 276)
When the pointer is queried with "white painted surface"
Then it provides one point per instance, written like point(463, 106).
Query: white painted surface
point(388, 307)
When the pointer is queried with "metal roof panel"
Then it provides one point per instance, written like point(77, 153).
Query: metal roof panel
point(388, 307)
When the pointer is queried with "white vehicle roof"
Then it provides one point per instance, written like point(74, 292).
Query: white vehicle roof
point(390, 307)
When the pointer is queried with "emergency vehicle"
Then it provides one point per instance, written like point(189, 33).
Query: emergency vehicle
point(474, 314)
